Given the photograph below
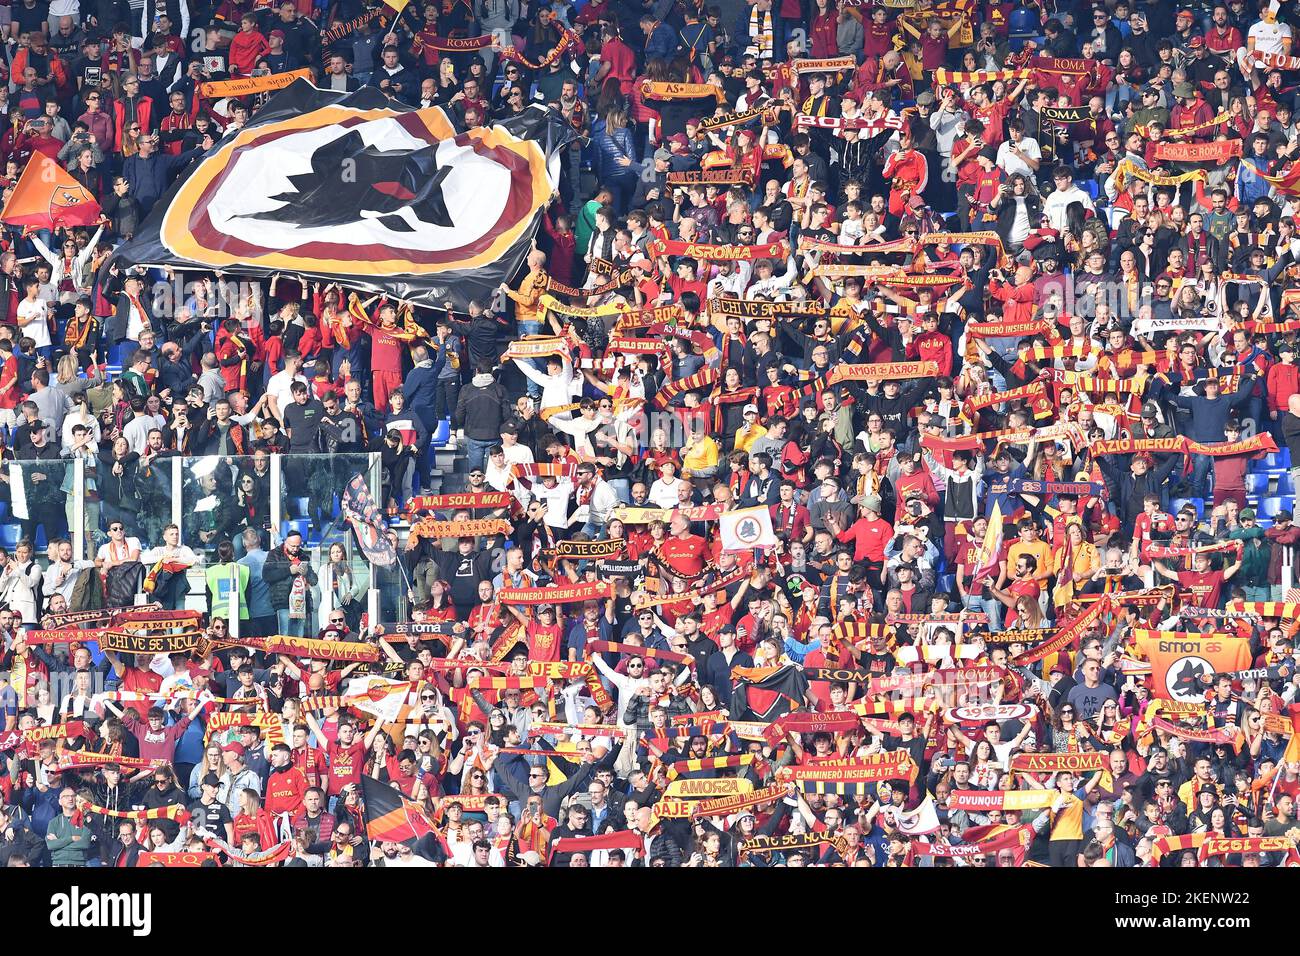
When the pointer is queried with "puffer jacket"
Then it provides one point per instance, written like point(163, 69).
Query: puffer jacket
point(275, 572)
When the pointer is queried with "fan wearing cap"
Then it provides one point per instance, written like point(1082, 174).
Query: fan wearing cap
point(1282, 382)
point(1192, 111)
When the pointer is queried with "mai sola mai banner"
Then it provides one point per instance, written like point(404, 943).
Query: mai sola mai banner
point(593, 591)
point(468, 500)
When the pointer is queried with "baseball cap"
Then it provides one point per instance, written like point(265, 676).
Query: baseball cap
point(1283, 515)
point(211, 780)
point(1247, 514)
point(1149, 410)
point(871, 503)
point(664, 154)
point(679, 139)
point(925, 99)
point(277, 33)
point(749, 408)
point(640, 262)
point(233, 749)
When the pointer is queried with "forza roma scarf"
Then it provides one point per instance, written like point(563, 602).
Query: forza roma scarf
point(473, 528)
point(981, 801)
point(1283, 609)
point(807, 723)
point(1217, 152)
point(681, 91)
point(739, 118)
point(1055, 763)
point(874, 769)
point(1066, 636)
point(679, 767)
point(565, 594)
point(586, 549)
point(1274, 61)
point(724, 806)
point(468, 500)
point(791, 841)
point(847, 675)
point(635, 650)
point(964, 617)
point(719, 253)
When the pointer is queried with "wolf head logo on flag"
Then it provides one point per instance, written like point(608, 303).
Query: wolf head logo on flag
point(351, 188)
point(47, 197)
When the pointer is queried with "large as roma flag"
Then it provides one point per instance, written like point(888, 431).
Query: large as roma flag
point(1183, 662)
point(349, 188)
point(47, 197)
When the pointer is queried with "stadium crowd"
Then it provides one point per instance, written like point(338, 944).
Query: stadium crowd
point(983, 315)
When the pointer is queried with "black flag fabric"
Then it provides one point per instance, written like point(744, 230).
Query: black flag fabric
point(352, 188)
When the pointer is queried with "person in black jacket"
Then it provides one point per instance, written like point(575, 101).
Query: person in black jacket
point(1145, 476)
point(481, 409)
point(283, 566)
point(17, 839)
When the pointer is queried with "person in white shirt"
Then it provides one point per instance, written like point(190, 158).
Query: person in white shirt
point(663, 490)
point(278, 396)
point(61, 576)
point(559, 383)
point(1269, 35)
point(137, 429)
point(34, 315)
point(1056, 206)
point(595, 500)
point(1019, 153)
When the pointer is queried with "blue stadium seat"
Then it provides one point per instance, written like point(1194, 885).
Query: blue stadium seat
point(300, 525)
point(1283, 457)
point(41, 541)
point(1284, 486)
point(298, 507)
point(10, 534)
point(1271, 506)
point(1257, 482)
